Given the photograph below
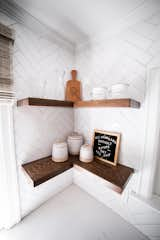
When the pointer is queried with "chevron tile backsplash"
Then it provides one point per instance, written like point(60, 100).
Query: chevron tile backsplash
point(41, 67)
point(125, 58)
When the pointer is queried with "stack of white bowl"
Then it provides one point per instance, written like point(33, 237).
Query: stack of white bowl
point(75, 142)
point(60, 152)
point(99, 93)
point(86, 153)
point(119, 90)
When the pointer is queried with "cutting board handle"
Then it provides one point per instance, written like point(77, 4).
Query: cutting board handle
point(74, 74)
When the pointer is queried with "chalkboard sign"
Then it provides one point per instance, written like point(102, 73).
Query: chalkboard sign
point(106, 146)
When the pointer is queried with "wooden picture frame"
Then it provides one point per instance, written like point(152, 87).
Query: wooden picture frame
point(113, 159)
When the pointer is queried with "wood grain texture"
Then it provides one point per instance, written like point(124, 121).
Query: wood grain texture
point(126, 102)
point(116, 176)
point(92, 103)
point(43, 102)
point(73, 88)
point(44, 169)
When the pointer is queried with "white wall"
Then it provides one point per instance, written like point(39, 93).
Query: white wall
point(41, 67)
point(129, 206)
point(157, 180)
point(125, 58)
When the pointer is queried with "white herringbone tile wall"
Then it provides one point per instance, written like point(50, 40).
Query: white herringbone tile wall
point(125, 58)
point(41, 68)
point(145, 218)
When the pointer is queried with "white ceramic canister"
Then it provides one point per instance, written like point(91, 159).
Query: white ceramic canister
point(75, 142)
point(119, 90)
point(99, 93)
point(86, 153)
point(60, 152)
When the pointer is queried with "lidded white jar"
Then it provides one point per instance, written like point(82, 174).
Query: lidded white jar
point(86, 153)
point(75, 142)
point(119, 90)
point(60, 152)
point(99, 93)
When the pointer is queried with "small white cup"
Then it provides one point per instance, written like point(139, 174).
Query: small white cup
point(119, 90)
point(99, 93)
point(75, 142)
point(60, 152)
point(86, 153)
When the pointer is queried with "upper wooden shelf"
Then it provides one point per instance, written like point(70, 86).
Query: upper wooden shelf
point(126, 102)
point(43, 102)
point(44, 169)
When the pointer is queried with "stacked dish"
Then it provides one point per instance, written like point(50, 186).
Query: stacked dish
point(99, 93)
point(60, 152)
point(119, 90)
point(75, 142)
point(86, 153)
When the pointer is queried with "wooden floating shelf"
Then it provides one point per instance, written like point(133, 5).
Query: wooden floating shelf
point(44, 169)
point(125, 102)
point(43, 102)
point(116, 176)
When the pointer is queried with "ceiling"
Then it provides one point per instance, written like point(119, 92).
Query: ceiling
point(80, 20)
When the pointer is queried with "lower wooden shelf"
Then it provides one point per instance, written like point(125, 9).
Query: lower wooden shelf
point(116, 176)
point(44, 169)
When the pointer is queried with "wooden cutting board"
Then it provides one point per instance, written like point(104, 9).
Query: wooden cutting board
point(73, 88)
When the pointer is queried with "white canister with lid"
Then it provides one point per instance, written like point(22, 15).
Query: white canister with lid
point(99, 93)
point(75, 142)
point(119, 90)
point(60, 152)
point(86, 153)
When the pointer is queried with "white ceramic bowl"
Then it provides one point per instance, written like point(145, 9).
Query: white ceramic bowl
point(99, 93)
point(98, 97)
point(99, 90)
point(119, 90)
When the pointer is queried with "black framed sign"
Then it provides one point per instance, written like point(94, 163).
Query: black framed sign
point(106, 146)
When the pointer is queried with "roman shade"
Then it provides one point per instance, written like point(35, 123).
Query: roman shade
point(6, 48)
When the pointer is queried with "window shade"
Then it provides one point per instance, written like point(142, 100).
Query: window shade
point(6, 47)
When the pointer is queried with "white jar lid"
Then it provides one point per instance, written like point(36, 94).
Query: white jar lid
point(86, 146)
point(60, 144)
point(75, 136)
